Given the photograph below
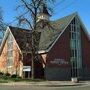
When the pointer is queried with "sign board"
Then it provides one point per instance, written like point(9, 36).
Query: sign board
point(59, 61)
point(27, 68)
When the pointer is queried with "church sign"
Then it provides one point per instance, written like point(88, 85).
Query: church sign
point(59, 62)
point(27, 68)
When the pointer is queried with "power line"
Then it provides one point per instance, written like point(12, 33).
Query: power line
point(27, 12)
point(16, 18)
point(57, 4)
point(66, 6)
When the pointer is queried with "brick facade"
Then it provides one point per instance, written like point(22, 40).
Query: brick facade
point(16, 60)
point(85, 45)
point(60, 51)
point(3, 59)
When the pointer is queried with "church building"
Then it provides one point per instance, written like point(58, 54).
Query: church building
point(63, 50)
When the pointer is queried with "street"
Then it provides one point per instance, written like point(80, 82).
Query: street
point(3, 87)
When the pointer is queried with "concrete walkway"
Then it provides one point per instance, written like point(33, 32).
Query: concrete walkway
point(47, 83)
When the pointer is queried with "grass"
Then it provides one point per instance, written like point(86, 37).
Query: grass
point(19, 80)
point(3, 81)
point(6, 79)
point(26, 80)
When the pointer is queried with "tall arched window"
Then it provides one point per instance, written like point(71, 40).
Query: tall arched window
point(9, 50)
point(75, 47)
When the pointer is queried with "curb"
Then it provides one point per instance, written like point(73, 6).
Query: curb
point(47, 85)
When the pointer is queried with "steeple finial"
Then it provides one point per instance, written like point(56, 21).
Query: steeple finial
point(43, 14)
point(44, 9)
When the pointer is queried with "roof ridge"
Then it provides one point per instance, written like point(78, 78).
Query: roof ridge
point(73, 14)
point(18, 28)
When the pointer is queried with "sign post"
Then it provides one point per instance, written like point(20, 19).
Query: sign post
point(26, 71)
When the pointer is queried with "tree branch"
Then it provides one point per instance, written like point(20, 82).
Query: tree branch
point(26, 5)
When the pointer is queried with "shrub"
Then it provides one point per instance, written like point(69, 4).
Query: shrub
point(5, 77)
point(19, 77)
point(7, 74)
point(14, 76)
point(1, 73)
point(16, 79)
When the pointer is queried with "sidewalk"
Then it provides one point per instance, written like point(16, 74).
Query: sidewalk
point(47, 83)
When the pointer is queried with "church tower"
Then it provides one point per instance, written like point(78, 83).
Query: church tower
point(43, 14)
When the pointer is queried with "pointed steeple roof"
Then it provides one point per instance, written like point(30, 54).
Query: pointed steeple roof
point(44, 10)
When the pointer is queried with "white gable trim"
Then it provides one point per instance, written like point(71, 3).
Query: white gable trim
point(5, 38)
point(83, 26)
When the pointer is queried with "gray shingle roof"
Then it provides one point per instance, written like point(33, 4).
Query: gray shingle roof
point(49, 35)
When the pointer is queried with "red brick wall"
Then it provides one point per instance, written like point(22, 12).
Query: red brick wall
point(16, 56)
point(85, 45)
point(60, 50)
point(27, 59)
point(3, 58)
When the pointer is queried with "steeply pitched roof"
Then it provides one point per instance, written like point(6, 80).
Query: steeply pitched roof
point(48, 34)
point(22, 37)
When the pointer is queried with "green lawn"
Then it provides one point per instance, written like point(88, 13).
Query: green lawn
point(6, 79)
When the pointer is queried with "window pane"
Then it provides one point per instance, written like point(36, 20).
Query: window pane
point(9, 61)
point(73, 44)
point(10, 45)
point(72, 53)
point(10, 38)
point(9, 50)
point(73, 35)
point(75, 53)
point(10, 54)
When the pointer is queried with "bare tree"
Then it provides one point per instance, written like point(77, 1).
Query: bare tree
point(2, 26)
point(30, 9)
